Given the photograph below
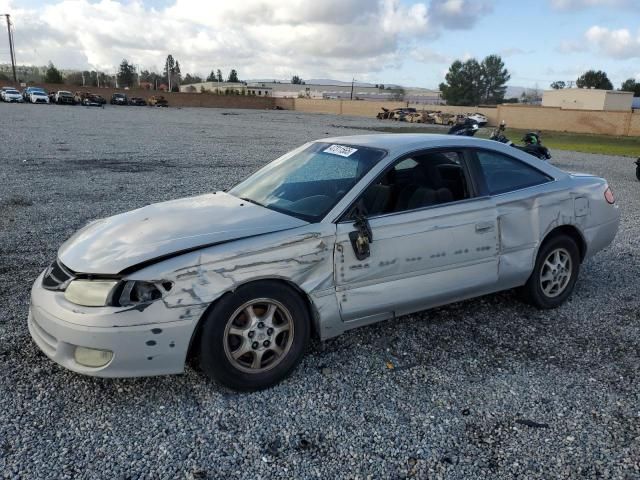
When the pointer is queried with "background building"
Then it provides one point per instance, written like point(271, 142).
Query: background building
point(587, 99)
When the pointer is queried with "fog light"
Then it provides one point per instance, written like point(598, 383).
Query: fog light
point(92, 357)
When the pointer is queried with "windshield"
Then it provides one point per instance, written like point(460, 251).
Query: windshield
point(308, 182)
point(12, 92)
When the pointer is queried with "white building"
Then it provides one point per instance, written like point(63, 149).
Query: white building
point(587, 99)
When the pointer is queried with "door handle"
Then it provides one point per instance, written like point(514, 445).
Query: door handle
point(484, 227)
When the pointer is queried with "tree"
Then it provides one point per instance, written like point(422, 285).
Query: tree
point(233, 76)
point(219, 75)
point(494, 80)
point(594, 79)
point(296, 80)
point(558, 85)
point(177, 73)
point(126, 74)
point(463, 83)
point(631, 85)
point(169, 69)
point(189, 79)
point(472, 83)
point(52, 75)
point(74, 78)
point(212, 77)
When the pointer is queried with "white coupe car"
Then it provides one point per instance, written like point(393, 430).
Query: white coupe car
point(339, 233)
point(38, 96)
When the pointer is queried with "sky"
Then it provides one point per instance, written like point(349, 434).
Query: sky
point(411, 43)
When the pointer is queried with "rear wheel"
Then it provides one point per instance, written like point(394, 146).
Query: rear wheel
point(555, 273)
point(254, 337)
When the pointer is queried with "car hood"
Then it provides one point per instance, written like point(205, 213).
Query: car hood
point(113, 244)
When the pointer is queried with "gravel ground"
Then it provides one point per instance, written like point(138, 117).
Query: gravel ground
point(488, 388)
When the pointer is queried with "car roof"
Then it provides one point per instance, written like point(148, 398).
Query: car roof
point(399, 143)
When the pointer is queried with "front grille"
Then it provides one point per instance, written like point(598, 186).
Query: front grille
point(57, 276)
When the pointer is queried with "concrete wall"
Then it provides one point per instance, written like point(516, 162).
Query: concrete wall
point(576, 121)
point(617, 101)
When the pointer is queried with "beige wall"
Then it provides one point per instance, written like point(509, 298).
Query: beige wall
point(577, 121)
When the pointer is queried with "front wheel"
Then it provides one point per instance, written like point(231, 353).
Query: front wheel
point(254, 337)
point(638, 172)
point(555, 273)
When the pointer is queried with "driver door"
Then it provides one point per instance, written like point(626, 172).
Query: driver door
point(434, 241)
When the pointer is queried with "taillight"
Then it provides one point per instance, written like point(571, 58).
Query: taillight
point(608, 196)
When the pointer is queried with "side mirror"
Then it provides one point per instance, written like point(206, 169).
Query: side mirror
point(363, 236)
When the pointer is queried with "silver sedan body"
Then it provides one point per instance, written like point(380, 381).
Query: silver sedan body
point(209, 245)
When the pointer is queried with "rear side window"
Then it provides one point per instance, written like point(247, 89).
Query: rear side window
point(505, 174)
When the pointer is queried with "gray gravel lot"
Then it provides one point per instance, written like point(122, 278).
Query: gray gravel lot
point(488, 388)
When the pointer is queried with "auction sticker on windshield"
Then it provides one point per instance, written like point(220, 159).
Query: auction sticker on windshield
point(340, 150)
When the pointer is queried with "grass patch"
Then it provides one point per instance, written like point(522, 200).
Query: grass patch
point(577, 142)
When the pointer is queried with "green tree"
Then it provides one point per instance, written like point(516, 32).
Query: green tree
point(212, 77)
point(126, 74)
point(52, 75)
point(631, 85)
point(189, 79)
point(558, 85)
point(594, 79)
point(472, 83)
point(233, 76)
point(494, 78)
point(462, 84)
point(296, 80)
point(219, 75)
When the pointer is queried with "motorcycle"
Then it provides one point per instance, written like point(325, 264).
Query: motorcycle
point(466, 129)
point(532, 142)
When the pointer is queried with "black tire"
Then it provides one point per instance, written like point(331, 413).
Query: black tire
point(533, 291)
point(638, 172)
point(214, 355)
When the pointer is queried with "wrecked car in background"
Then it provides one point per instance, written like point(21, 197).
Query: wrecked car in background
point(337, 234)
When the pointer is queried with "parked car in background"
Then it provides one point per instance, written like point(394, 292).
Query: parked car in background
point(119, 99)
point(11, 95)
point(38, 96)
point(337, 234)
point(89, 99)
point(26, 93)
point(479, 118)
point(157, 101)
point(63, 97)
point(137, 101)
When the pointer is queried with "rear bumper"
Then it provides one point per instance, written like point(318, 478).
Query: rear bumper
point(138, 350)
point(601, 236)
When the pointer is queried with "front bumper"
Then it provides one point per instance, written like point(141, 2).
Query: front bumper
point(138, 350)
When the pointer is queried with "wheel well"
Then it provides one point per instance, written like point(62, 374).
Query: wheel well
point(573, 233)
point(194, 344)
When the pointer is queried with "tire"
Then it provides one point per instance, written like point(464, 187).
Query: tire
point(638, 172)
point(269, 355)
point(548, 286)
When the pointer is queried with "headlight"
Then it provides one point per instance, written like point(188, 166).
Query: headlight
point(135, 292)
point(89, 293)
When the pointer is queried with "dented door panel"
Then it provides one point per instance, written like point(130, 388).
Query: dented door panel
point(417, 259)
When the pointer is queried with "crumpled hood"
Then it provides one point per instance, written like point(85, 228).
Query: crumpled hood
point(110, 245)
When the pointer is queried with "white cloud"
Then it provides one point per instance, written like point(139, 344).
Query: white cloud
point(581, 4)
point(572, 46)
point(620, 43)
point(459, 14)
point(427, 55)
point(257, 37)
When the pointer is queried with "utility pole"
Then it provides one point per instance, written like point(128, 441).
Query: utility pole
point(352, 82)
point(12, 52)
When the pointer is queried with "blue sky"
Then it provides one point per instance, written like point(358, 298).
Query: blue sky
point(382, 41)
